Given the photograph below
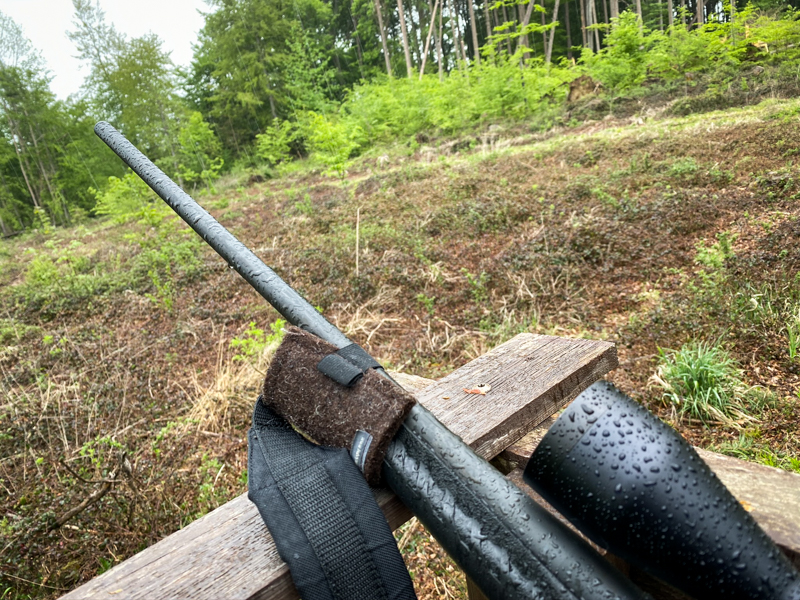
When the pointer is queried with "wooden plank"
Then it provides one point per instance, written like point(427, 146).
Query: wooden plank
point(531, 377)
point(226, 554)
point(771, 495)
point(229, 552)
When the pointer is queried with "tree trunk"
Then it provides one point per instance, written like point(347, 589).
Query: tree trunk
point(474, 25)
point(549, 50)
point(605, 13)
point(544, 32)
point(453, 34)
point(38, 157)
point(272, 106)
point(415, 43)
point(639, 12)
point(488, 20)
point(404, 31)
point(508, 39)
point(594, 21)
point(670, 16)
point(700, 18)
point(458, 33)
point(359, 49)
point(383, 38)
point(15, 137)
point(6, 230)
point(614, 9)
point(524, 20)
point(439, 49)
point(683, 12)
point(168, 137)
point(582, 6)
point(428, 40)
point(569, 33)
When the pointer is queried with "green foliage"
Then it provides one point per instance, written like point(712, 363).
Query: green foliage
point(51, 285)
point(124, 198)
point(100, 455)
point(477, 285)
point(13, 331)
point(333, 142)
point(683, 167)
point(428, 302)
point(793, 333)
point(132, 83)
point(166, 256)
point(209, 496)
point(713, 257)
point(200, 151)
point(749, 446)
point(702, 381)
point(622, 64)
point(276, 144)
point(254, 341)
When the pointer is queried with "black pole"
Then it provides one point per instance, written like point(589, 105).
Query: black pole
point(294, 308)
point(511, 547)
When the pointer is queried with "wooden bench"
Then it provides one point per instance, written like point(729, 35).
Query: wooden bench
point(230, 554)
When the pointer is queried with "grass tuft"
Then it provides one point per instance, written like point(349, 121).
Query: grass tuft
point(703, 382)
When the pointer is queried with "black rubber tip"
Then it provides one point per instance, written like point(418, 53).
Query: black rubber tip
point(637, 488)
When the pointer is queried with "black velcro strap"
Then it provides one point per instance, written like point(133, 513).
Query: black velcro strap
point(359, 357)
point(322, 515)
point(341, 370)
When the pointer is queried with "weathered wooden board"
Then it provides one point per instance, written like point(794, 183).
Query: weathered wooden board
point(531, 377)
point(771, 495)
point(230, 554)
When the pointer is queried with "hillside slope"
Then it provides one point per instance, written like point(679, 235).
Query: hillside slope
point(129, 348)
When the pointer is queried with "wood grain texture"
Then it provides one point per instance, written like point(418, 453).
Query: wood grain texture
point(229, 552)
point(771, 495)
point(531, 377)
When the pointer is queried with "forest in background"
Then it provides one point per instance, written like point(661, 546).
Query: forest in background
point(273, 81)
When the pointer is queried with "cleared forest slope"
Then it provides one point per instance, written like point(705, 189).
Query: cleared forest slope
point(129, 352)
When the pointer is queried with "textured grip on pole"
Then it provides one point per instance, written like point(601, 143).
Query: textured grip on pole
point(510, 546)
point(266, 282)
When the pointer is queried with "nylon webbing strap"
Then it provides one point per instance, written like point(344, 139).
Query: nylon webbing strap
point(322, 515)
point(347, 365)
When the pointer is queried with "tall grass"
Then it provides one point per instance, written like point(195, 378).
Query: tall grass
point(703, 382)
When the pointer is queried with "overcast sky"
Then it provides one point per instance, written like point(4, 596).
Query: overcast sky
point(46, 22)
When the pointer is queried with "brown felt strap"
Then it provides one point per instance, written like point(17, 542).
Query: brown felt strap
point(330, 413)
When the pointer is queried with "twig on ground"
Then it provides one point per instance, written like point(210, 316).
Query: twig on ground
point(86, 502)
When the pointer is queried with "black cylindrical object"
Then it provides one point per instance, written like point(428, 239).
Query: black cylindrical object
point(509, 545)
point(292, 306)
point(634, 486)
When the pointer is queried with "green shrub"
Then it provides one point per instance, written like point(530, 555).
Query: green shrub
point(123, 198)
point(199, 151)
point(279, 143)
point(622, 63)
point(51, 285)
point(254, 341)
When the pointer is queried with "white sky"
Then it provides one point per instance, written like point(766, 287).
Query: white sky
point(45, 23)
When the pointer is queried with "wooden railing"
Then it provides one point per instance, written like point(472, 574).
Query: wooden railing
point(230, 554)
